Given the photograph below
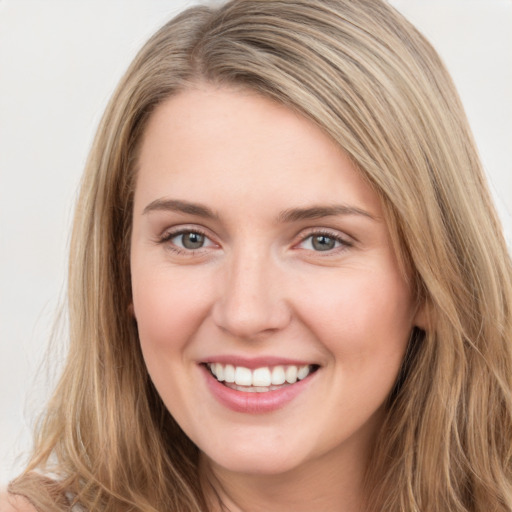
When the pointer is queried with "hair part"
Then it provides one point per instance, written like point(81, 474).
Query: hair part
point(369, 80)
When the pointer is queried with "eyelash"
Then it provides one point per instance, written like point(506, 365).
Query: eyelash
point(169, 235)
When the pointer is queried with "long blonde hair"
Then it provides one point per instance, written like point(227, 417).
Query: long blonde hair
point(363, 74)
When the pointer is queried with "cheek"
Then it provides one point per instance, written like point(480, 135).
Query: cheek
point(169, 307)
point(360, 313)
point(363, 319)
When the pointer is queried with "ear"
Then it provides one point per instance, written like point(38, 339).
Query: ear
point(422, 316)
point(131, 310)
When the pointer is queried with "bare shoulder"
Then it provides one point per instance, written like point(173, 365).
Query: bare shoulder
point(12, 503)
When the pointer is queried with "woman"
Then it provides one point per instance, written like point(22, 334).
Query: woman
point(289, 289)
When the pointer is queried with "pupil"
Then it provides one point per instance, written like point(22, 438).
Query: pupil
point(192, 240)
point(323, 243)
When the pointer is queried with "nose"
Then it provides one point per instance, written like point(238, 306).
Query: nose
point(251, 300)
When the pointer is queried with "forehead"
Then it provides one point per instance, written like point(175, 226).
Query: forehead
point(210, 143)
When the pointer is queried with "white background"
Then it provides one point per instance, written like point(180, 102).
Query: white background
point(59, 62)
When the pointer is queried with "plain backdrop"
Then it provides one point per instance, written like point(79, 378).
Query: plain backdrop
point(59, 62)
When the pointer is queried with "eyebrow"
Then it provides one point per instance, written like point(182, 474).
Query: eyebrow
point(290, 215)
point(176, 205)
point(317, 212)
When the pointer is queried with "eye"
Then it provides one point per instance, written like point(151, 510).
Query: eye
point(323, 242)
point(186, 240)
point(190, 240)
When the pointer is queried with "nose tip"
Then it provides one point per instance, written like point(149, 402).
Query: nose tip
point(251, 302)
point(248, 317)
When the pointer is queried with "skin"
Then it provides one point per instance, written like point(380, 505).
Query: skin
point(259, 287)
point(10, 503)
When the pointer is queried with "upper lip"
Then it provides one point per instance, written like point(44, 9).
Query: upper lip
point(256, 362)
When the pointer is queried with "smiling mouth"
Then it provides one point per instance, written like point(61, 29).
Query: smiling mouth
point(259, 380)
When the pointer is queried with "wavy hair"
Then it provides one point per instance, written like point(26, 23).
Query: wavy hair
point(372, 82)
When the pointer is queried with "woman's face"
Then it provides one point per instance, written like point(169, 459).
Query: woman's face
point(259, 254)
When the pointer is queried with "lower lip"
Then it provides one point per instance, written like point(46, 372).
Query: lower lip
point(254, 403)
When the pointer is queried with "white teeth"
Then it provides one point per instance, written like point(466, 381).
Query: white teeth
point(303, 372)
point(253, 389)
point(259, 379)
point(243, 376)
point(291, 374)
point(278, 375)
point(229, 373)
point(219, 372)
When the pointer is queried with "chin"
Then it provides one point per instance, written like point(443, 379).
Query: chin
point(255, 460)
